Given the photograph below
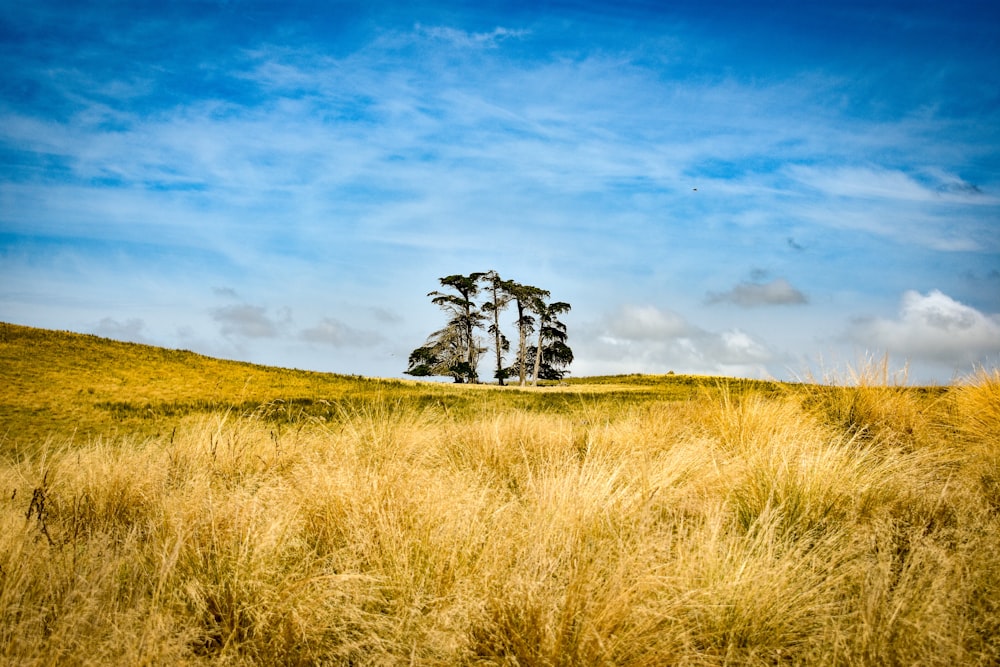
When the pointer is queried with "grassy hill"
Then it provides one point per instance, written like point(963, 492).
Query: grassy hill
point(61, 384)
point(158, 507)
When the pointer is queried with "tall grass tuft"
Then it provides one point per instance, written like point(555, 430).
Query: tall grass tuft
point(873, 404)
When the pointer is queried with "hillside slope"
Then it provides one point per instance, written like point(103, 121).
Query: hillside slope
point(58, 383)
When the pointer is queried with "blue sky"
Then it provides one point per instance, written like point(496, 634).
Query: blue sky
point(754, 189)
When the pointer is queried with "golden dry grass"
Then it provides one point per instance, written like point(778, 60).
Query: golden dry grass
point(741, 525)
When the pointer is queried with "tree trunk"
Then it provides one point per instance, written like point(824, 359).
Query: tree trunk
point(497, 337)
point(499, 359)
point(538, 357)
point(522, 351)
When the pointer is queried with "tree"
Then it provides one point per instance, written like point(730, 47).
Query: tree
point(499, 298)
point(466, 318)
point(453, 350)
point(523, 296)
point(551, 339)
point(556, 356)
point(442, 354)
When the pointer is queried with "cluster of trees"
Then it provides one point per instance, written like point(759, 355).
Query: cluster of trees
point(455, 350)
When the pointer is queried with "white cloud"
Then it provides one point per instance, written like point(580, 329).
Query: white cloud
point(646, 339)
point(933, 327)
point(752, 294)
point(642, 323)
point(736, 347)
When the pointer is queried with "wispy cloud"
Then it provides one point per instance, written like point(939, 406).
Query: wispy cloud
point(131, 330)
point(248, 321)
point(384, 316)
point(465, 39)
point(331, 129)
point(778, 292)
point(331, 331)
point(934, 185)
point(798, 247)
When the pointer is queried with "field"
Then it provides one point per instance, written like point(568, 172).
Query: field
point(159, 508)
